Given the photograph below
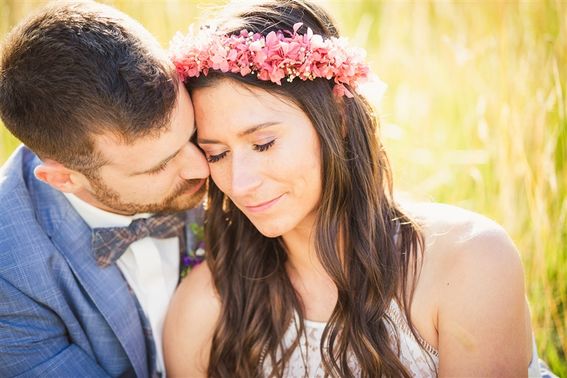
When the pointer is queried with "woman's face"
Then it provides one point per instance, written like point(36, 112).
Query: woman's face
point(263, 153)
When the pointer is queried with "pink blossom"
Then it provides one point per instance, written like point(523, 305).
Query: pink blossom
point(271, 57)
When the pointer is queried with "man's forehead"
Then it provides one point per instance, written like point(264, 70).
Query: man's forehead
point(141, 153)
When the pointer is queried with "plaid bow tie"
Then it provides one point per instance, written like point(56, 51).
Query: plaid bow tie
point(109, 243)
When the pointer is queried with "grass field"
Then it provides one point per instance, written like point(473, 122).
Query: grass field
point(475, 115)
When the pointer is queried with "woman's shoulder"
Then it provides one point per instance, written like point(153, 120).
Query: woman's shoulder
point(190, 322)
point(451, 232)
point(196, 295)
point(465, 251)
point(444, 217)
point(472, 285)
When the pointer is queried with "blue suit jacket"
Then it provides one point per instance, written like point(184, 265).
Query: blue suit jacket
point(61, 314)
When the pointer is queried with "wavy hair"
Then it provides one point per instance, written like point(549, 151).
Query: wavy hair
point(365, 242)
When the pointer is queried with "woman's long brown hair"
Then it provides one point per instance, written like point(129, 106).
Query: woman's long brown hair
point(373, 262)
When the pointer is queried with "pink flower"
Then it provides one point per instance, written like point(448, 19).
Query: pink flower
point(260, 57)
point(278, 55)
point(263, 75)
point(340, 90)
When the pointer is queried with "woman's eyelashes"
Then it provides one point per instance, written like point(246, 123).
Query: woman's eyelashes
point(215, 158)
point(255, 147)
point(265, 146)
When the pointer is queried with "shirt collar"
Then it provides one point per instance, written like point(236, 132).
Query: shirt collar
point(97, 218)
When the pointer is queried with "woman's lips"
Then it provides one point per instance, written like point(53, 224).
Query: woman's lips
point(263, 206)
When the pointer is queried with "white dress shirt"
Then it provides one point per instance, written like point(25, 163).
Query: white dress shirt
point(150, 266)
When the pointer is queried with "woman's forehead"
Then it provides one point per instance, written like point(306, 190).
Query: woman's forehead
point(228, 101)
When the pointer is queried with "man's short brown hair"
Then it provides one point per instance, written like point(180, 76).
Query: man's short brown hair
point(80, 69)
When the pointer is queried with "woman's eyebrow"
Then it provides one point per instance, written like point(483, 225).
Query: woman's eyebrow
point(248, 131)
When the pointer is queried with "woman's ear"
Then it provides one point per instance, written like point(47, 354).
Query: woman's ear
point(58, 176)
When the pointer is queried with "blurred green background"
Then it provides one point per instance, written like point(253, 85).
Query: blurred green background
point(475, 115)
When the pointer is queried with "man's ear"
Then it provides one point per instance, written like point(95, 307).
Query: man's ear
point(59, 177)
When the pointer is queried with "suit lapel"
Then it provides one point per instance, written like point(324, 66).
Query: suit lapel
point(105, 286)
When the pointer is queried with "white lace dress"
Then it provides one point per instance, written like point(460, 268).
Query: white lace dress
point(306, 359)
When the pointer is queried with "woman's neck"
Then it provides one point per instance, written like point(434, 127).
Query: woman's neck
point(301, 252)
point(309, 278)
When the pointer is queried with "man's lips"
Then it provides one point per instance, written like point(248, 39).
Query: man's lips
point(264, 205)
point(194, 188)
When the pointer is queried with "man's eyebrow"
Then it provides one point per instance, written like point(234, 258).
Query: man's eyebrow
point(243, 133)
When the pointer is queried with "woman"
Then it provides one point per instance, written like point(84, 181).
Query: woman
point(312, 268)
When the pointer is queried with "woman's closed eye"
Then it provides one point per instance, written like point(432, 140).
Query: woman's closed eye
point(265, 146)
point(217, 157)
point(255, 147)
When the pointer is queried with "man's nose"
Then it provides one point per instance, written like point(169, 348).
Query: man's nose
point(194, 164)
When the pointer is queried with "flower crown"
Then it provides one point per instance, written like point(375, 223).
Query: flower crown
point(278, 55)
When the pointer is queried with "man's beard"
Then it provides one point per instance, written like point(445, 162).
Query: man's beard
point(174, 202)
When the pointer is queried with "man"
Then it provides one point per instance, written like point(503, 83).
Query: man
point(107, 129)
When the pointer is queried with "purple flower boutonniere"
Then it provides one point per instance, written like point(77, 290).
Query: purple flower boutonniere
point(194, 256)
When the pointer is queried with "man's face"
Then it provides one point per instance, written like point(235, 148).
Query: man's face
point(155, 173)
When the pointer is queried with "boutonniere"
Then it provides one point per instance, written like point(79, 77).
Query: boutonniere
point(194, 256)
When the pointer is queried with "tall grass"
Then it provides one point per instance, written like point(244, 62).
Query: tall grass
point(475, 115)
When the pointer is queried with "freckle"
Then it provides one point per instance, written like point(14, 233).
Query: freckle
point(447, 283)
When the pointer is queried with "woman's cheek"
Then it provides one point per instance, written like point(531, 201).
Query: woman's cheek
point(221, 177)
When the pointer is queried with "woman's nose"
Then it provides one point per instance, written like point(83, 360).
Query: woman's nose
point(246, 176)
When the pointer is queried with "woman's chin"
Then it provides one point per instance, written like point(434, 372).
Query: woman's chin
point(269, 231)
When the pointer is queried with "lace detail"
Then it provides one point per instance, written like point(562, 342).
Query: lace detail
point(418, 356)
point(305, 360)
point(420, 360)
